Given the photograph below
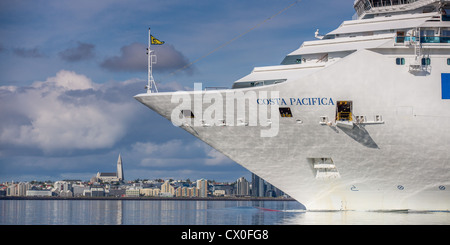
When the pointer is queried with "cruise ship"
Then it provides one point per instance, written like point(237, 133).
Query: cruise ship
point(355, 119)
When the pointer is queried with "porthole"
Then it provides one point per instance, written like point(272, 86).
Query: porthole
point(426, 61)
point(400, 61)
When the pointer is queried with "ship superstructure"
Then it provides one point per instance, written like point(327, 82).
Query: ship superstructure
point(358, 119)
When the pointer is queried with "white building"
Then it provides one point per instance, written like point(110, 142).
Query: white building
point(39, 193)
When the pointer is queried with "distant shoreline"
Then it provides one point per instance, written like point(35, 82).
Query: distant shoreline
point(151, 198)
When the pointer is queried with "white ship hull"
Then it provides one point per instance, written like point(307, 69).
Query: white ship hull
point(397, 159)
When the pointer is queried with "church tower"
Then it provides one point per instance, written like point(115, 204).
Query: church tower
point(119, 169)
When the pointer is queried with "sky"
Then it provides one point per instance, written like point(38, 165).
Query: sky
point(69, 71)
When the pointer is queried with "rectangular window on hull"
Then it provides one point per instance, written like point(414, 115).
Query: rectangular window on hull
point(187, 113)
point(285, 112)
point(344, 111)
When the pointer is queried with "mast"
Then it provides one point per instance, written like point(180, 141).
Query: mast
point(150, 80)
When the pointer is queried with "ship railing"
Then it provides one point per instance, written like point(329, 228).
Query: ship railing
point(215, 88)
point(387, 3)
point(366, 5)
point(376, 6)
point(425, 39)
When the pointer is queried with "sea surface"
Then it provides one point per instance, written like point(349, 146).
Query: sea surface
point(190, 212)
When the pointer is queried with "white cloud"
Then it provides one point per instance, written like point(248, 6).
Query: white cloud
point(64, 112)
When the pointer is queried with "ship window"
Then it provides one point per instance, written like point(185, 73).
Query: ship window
point(400, 61)
point(445, 36)
point(344, 111)
point(426, 61)
point(187, 113)
point(445, 16)
point(400, 37)
point(292, 59)
point(448, 61)
point(285, 112)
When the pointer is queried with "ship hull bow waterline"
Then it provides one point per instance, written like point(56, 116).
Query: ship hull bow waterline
point(360, 130)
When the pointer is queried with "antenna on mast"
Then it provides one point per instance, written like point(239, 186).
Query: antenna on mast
point(151, 84)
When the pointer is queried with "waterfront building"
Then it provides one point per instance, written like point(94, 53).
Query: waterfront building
point(180, 192)
point(132, 192)
point(62, 186)
point(258, 186)
point(22, 189)
point(149, 192)
point(202, 186)
point(66, 193)
point(223, 189)
point(87, 192)
point(117, 192)
point(97, 192)
point(242, 187)
point(219, 193)
point(167, 189)
point(193, 191)
point(11, 190)
point(185, 191)
point(39, 193)
point(272, 191)
point(78, 190)
point(156, 192)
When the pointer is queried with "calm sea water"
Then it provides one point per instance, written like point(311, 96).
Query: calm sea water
point(176, 212)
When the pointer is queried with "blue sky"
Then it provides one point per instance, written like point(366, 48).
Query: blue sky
point(69, 71)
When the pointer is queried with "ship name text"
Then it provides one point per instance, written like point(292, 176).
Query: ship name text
point(296, 101)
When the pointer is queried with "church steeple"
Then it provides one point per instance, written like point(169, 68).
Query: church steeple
point(120, 169)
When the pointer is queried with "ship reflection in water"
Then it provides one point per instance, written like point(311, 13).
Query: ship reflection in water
point(166, 212)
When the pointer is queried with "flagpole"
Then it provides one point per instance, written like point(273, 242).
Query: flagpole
point(151, 82)
point(149, 55)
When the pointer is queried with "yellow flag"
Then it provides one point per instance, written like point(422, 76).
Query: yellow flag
point(156, 41)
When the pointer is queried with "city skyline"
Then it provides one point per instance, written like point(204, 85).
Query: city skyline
point(69, 71)
point(101, 183)
point(112, 187)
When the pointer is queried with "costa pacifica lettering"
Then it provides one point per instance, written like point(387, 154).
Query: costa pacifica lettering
point(296, 101)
